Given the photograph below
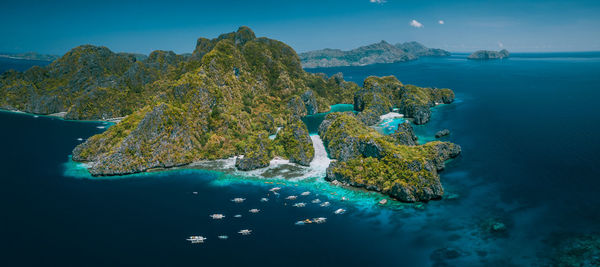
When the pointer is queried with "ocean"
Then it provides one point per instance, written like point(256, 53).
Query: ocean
point(529, 169)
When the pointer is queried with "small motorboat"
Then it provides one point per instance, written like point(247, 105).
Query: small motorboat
point(339, 211)
point(316, 201)
point(291, 197)
point(325, 204)
point(305, 193)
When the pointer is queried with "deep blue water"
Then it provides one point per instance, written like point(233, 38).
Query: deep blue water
point(528, 127)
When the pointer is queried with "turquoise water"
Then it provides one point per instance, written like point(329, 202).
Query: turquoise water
point(528, 128)
point(313, 121)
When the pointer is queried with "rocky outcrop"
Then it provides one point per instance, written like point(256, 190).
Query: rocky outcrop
point(405, 135)
point(486, 54)
point(415, 102)
point(367, 159)
point(297, 107)
point(442, 133)
point(310, 102)
point(295, 142)
point(380, 94)
point(257, 153)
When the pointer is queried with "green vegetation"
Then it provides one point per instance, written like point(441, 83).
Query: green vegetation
point(371, 160)
point(224, 100)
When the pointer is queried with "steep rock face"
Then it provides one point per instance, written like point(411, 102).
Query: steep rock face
point(486, 54)
point(257, 154)
point(310, 102)
point(415, 102)
point(297, 106)
point(376, 98)
point(235, 96)
point(380, 94)
point(295, 142)
point(405, 135)
point(368, 159)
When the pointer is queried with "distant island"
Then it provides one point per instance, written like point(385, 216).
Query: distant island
point(487, 54)
point(382, 52)
point(29, 56)
point(236, 96)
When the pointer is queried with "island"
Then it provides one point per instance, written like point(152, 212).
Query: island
point(236, 96)
point(382, 52)
point(486, 54)
point(29, 56)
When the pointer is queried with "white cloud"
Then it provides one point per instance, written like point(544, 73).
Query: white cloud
point(377, 1)
point(416, 24)
point(441, 22)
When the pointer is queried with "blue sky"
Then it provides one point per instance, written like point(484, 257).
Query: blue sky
point(142, 26)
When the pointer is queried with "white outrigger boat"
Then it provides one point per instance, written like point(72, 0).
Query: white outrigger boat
point(339, 211)
point(264, 199)
point(306, 193)
point(319, 220)
point(245, 232)
point(291, 197)
point(254, 210)
point(238, 200)
point(325, 204)
point(217, 216)
point(300, 205)
point(316, 201)
point(196, 239)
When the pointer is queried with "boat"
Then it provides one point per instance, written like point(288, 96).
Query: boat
point(237, 216)
point(339, 211)
point(217, 216)
point(316, 201)
point(264, 199)
point(223, 237)
point(275, 189)
point(305, 193)
point(238, 200)
point(79, 139)
point(319, 220)
point(291, 197)
point(344, 198)
point(300, 205)
point(254, 210)
point(195, 239)
point(245, 232)
point(325, 204)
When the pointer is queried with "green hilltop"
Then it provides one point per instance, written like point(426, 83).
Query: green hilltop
point(225, 100)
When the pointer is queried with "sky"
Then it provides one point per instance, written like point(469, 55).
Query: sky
point(54, 27)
